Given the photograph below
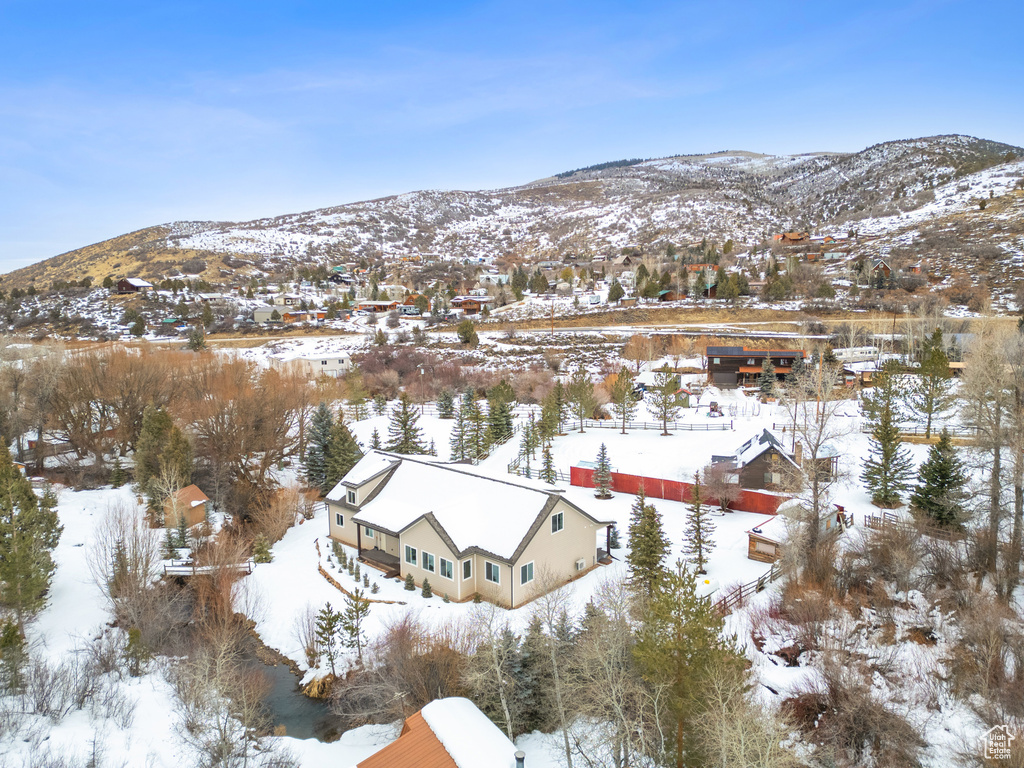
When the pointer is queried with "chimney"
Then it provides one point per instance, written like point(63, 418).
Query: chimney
point(798, 454)
point(520, 759)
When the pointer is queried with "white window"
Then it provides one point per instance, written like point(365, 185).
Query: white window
point(446, 568)
point(492, 572)
point(410, 555)
point(368, 532)
point(351, 497)
point(339, 519)
point(526, 573)
point(718, 361)
point(428, 562)
point(557, 522)
point(467, 569)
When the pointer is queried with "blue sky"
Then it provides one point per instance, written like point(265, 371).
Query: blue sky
point(115, 116)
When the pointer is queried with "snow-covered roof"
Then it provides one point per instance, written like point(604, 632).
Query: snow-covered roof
point(371, 465)
point(467, 734)
point(473, 509)
point(757, 445)
point(771, 529)
point(138, 282)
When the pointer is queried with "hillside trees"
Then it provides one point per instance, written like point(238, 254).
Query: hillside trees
point(888, 467)
point(29, 532)
point(623, 397)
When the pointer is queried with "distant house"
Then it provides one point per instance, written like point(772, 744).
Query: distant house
point(133, 285)
point(367, 305)
point(792, 238)
point(337, 364)
point(448, 733)
point(188, 503)
point(625, 260)
point(739, 366)
point(468, 533)
point(471, 305)
point(765, 540)
point(760, 463)
point(879, 266)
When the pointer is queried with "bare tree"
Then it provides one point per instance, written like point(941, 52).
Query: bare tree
point(123, 560)
point(721, 484)
point(487, 671)
point(550, 609)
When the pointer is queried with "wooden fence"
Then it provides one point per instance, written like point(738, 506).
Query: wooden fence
point(889, 520)
point(676, 426)
point(737, 595)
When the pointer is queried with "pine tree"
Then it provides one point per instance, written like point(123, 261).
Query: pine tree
point(679, 643)
point(410, 583)
point(580, 394)
point(940, 485)
point(327, 627)
point(766, 381)
point(427, 591)
point(446, 405)
point(182, 527)
point(699, 529)
point(930, 395)
point(888, 467)
point(261, 550)
point(457, 447)
point(547, 470)
point(29, 532)
point(603, 474)
point(404, 433)
point(343, 453)
point(375, 440)
point(13, 656)
point(624, 398)
point(135, 652)
point(664, 397)
point(357, 608)
point(647, 548)
point(380, 404)
point(317, 447)
point(615, 292)
point(117, 475)
point(477, 434)
point(499, 420)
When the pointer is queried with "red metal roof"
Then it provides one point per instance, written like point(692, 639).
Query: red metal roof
point(417, 747)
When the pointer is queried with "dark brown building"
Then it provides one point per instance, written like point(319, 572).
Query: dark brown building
point(761, 463)
point(739, 366)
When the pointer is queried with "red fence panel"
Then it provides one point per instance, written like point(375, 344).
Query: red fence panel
point(675, 490)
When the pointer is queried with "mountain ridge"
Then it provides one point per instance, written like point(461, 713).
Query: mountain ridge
point(733, 194)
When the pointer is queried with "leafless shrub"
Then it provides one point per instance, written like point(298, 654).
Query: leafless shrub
point(278, 511)
point(891, 553)
point(305, 633)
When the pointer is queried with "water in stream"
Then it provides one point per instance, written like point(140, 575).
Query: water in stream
point(301, 716)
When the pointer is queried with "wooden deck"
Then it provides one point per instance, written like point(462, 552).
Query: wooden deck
point(188, 568)
point(381, 560)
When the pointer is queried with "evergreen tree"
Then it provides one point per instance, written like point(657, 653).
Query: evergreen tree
point(699, 528)
point(446, 405)
point(13, 656)
point(580, 394)
point(380, 404)
point(615, 292)
point(796, 373)
point(477, 433)
point(603, 474)
point(499, 419)
point(888, 467)
point(647, 547)
point(766, 381)
point(426, 591)
point(326, 629)
point(941, 481)
point(261, 550)
point(679, 642)
point(457, 447)
point(410, 583)
point(343, 452)
point(352, 620)
point(404, 433)
point(548, 425)
point(547, 470)
point(181, 524)
point(375, 439)
point(29, 532)
point(317, 447)
point(664, 397)
point(117, 475)
point(624, 398)
point(135, 652)
point(930, 395)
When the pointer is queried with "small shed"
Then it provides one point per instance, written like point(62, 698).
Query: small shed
point(190, 503)
point(764, 540)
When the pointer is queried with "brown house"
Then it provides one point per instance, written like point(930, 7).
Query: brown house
point(739, 366)
point(471, 305)
point(761, 463)
point(879, 266)
point(133, 285)
point(448, 733)
point(792, 238)
point(190, 503)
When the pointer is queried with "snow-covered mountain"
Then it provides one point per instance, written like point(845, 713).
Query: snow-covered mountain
point(735, 195)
